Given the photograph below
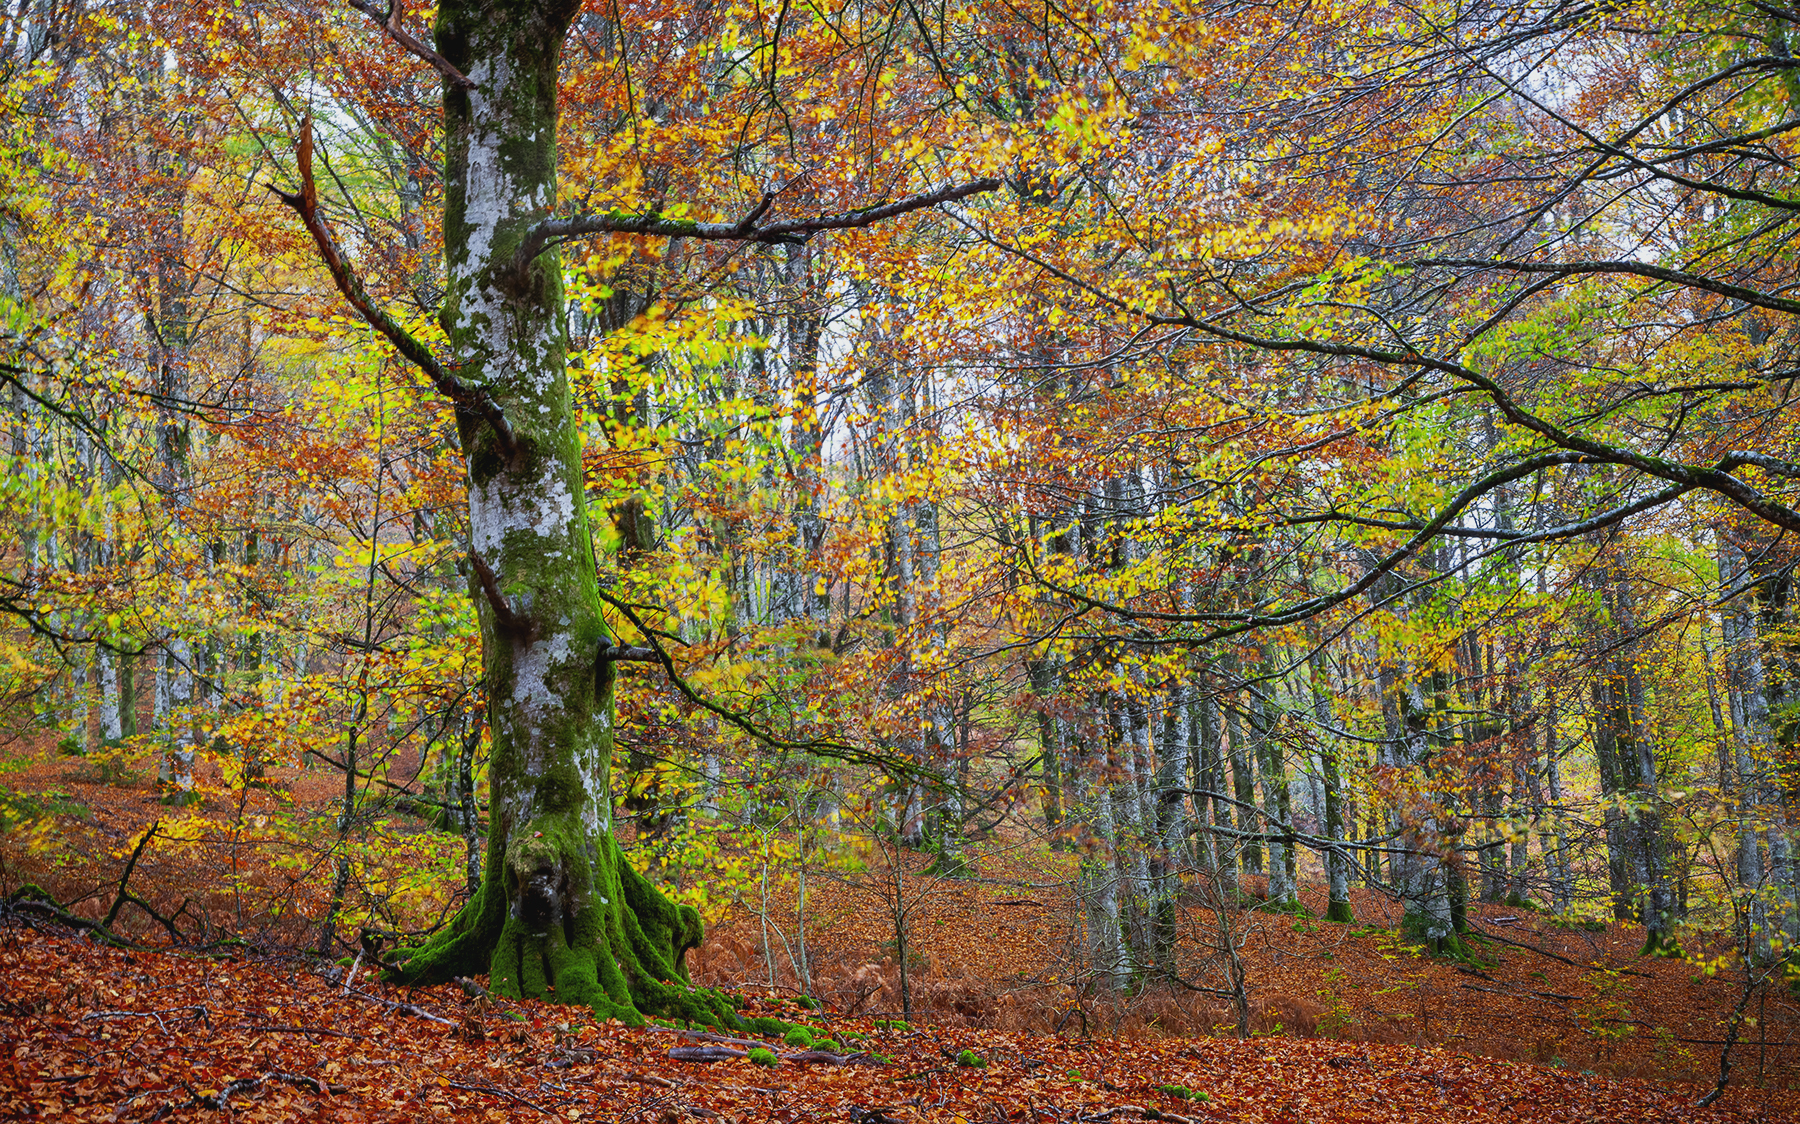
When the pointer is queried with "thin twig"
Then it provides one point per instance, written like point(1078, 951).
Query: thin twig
point(493, 1092)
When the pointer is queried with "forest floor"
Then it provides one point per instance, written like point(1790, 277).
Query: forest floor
point(999, 952)
point(1349, 1024)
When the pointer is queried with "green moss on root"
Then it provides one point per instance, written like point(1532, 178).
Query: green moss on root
point(618, 947)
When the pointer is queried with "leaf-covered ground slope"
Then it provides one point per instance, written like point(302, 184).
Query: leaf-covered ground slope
point(995, 952)
point(1001, 952)
point(93, 1033)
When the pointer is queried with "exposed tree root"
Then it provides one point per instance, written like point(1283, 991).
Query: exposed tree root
point(548, 923)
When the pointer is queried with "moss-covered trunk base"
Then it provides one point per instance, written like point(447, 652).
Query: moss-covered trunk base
point(558, 927)
point(1660, 942)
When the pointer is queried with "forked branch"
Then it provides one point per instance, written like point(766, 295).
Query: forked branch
point(896, 764)
point(467, 398)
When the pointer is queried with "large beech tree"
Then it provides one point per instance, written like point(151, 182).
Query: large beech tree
point(559, 914)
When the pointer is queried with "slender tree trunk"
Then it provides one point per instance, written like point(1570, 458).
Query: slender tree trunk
point(1419, 869)
point(1040, 674)
point(1099, 888)
point(1556, 840)
point(1171, 835)
point(1273, 769)
point(1222, 842)
point(1337, 861)
point(1243, 780)
point(1780, 766)
point(1519, 860)
point(1748, 703)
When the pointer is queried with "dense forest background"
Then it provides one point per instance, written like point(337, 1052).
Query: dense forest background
point(1347, 444)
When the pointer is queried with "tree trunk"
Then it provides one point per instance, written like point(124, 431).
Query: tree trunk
point(1556, 840)
point(1337, 861)
point(1042, 676)
point(1748, 703)
point(1171, 827)
point(1272, 767)
point(1779, 707)
point(1222, 844)
point(1243, 781)
point(559, 914)
point(1097, 885)
point(1420, 872)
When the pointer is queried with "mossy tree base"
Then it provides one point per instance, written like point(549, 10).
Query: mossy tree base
point(1452, 946)
point(949, 864)
point(556, 926)
point(1422, 929)
point(1293, 907)
point(567, 923)
point(1660, 943)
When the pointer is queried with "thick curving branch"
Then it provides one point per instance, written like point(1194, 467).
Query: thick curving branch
point(1738, 458)
point(1632, 268)
point(468, 399)
point(1232, 623)
point(750, 228)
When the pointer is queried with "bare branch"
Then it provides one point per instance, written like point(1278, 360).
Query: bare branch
point(616, 653)
point(898, 765)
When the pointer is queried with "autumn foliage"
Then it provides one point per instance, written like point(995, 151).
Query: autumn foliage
point(492, 486)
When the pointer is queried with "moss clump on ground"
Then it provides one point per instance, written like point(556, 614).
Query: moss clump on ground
point(767, 1027)
point(1183, 1092)
point(1586, 924)
point(969, 1059)
point(764, 1057)
point(1293, 907)
point(799, 1036)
